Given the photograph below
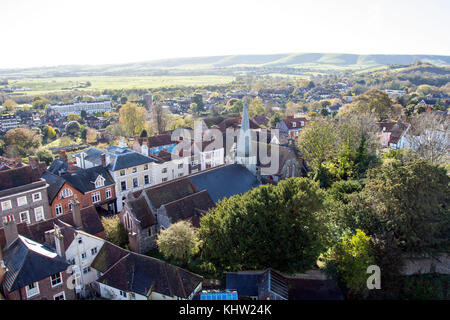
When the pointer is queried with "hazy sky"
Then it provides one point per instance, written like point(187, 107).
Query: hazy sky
point(55, 32)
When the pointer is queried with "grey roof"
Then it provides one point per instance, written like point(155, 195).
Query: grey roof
point(92, 155)
point(58, 166)
point(121, 158)
point(28, 262)
point(225, 181)
point(84, 180)
point(55, 184)
point(246, 283)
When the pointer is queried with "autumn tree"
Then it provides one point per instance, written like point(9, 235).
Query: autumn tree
point(21, 142)
point(132, 117)
point(10, 105)
point(73, 128)
point(179, 242)
point(372, 102)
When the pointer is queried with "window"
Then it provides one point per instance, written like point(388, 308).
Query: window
point(71, 261)
point(294, 124)
point(164, 170)
point(96, 197)
point(59, 296)
point(56, 279)
point(6, 205)
point(86, 270)
point(80, 240)
point(94, 251)
point(123, 185)
point(108, 193)
point(164, 179)
point(123, 293)
point(134, 170)
point(180, 166)
point(100, 182)
point(83, 255)
point(39, 213)
point(9, 218)
point(145, 166)
point(21, 201)
point(135, 183)
point(122, 173)
point(70, 205)
point(180, 174)
point(24, 216)
point(66, 193)
point(37, 196)
point(32, 290)
point(58, 209)
point(146, 180)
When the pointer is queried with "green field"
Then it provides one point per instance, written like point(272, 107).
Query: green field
point(58, 84)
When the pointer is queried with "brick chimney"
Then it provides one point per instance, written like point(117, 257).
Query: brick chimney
point(103, 159)
point(71, 168)
point(76, 212)
point(63, 156)
point(59, 242)
point(11, 233)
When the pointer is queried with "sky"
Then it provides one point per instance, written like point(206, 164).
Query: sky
point(60, 32)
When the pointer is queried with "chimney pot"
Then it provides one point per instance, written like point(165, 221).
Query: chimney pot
point(103, 159)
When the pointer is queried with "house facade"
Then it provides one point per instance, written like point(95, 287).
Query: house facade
point(23, 193)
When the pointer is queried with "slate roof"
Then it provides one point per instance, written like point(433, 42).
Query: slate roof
point(92, 155)
point(139, 274)
point(55, 184)
point(58, 166)
point(28, 262)
point(92, 224)
point(246, 283)
point(122, 158)
point(140, 209)
point(189, 207)
point(84, 180)
point(225, 181)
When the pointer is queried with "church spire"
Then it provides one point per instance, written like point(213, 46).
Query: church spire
point(245, 154)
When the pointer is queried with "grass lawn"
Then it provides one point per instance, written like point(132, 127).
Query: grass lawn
point(61, 84)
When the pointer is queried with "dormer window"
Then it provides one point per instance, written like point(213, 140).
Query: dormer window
point(99, 182)
point(294, 124)
point(66, 193)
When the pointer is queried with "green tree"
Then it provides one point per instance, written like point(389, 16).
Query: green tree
point(73, 128)
point(45, 155)
point(179, 242)
point(114, 231)
point(373, 102)
point(73, 117)
point(274, 119)
point(40, 103)
point(349, 259)
point(269, 226)
point(10, 105)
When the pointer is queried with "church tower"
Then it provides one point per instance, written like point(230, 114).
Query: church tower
point(245, 150)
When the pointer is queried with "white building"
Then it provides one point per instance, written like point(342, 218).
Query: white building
point(77, 107)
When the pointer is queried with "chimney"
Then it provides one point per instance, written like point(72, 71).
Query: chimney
point(63, 156)
point(103, 159)
point(34, 162)
point(11, 233)
point(76, 212)
point(71, 168)
point(49, 237)
point(59, 242)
